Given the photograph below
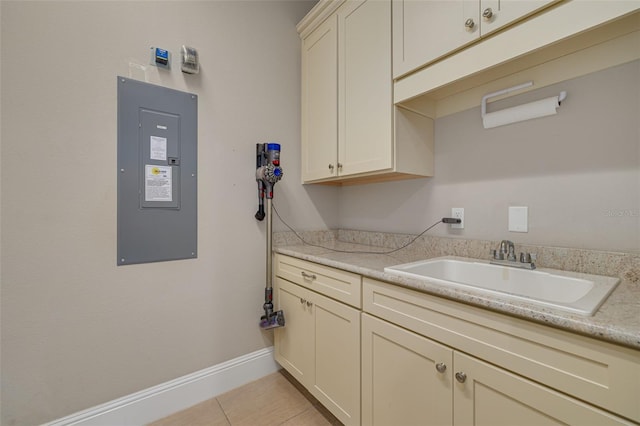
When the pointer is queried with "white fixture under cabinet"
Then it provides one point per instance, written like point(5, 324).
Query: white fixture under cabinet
point(350, 129)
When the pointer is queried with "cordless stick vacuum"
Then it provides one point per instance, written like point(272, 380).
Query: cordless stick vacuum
point(268, 173)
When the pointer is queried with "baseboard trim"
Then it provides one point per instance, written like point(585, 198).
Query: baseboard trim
point(159, 401)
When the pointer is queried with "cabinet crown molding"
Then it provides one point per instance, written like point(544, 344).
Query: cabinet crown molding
point(321, 11)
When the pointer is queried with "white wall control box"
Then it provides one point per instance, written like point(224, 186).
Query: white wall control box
point(519, 219)
point(189, 60)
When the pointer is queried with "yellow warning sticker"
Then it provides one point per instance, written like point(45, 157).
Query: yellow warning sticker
point(158, 183)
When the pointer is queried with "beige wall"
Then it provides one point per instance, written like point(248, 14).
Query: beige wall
point(76, 329)
point(577, 171)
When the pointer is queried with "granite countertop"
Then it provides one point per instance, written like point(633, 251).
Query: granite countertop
point(617, 320)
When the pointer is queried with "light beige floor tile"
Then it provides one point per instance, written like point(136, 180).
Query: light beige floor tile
point(207, 413)
point(269, 401)
point(310, 417)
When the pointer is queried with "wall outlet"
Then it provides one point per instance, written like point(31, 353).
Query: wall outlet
point(457, 213)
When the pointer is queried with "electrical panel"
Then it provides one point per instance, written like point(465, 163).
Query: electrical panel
point(157, 173)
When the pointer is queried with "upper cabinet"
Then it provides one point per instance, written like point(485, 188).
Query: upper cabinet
point(495, 14)
point(319, 101)
point(507, 43)
point(351, 130)
point(369, 99)
point(365, 96)
point(424, 31)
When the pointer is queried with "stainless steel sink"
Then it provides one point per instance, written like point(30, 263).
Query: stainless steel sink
point(568, 291)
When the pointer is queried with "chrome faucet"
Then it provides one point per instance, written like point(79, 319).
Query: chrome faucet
point(506, 256)
point(507, 248)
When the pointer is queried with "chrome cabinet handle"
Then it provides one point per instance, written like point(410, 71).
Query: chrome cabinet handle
point(302, 301)
point(469, 24)
point(461, 377)
point(308, 276)
point(487, 14)
point(331, 167)
point(309, 304)
point(441, 367)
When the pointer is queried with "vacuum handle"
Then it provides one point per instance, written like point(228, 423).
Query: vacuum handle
point(260, 158)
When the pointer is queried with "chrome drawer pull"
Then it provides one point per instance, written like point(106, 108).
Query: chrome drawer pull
point(441, 367)
point(308, 276)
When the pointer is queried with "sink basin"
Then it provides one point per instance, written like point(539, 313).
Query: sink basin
point(568, 291)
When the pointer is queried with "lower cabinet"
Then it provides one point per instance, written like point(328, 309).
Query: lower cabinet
point(408, 379)
point(320, 347)
point(488, 395)
point(378, 354)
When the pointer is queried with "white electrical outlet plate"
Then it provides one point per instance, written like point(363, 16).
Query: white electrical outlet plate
point(457, 213)
point(519, 219)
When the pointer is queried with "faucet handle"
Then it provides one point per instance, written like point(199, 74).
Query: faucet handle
point(527, 257)
point(496, 254)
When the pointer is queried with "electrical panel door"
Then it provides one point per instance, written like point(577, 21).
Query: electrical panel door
point(157, 173)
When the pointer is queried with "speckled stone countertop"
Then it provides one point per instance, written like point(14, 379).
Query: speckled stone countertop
point(617, 320)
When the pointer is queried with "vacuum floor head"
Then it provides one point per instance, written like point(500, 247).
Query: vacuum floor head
point(274, 320)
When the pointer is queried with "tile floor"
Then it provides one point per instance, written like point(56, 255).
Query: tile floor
point(274, 400)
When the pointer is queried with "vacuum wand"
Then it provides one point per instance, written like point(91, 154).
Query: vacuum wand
point(268, 173)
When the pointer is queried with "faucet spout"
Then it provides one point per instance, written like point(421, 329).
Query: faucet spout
point(506, 247)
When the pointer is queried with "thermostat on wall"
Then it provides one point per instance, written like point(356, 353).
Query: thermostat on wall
point(160, 57)
point(190, 62)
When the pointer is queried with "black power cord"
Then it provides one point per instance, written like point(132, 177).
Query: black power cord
point(443, 220)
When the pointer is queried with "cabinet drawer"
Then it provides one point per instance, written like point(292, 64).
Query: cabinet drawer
point(339, 285)
point(603, 374)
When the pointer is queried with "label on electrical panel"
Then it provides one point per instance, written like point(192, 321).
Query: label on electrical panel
point(158, 183)
point(158, 148)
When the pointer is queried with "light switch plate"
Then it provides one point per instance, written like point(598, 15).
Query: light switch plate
point(519, 219)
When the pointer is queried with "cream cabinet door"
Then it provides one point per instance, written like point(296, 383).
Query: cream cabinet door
point(487, 395)
point(294, 343)
point(337, 358)
point(365, 124)
point(320, 102)
point(498, 13)
point(406, 378)
point(424, 30)
point(320, 346)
